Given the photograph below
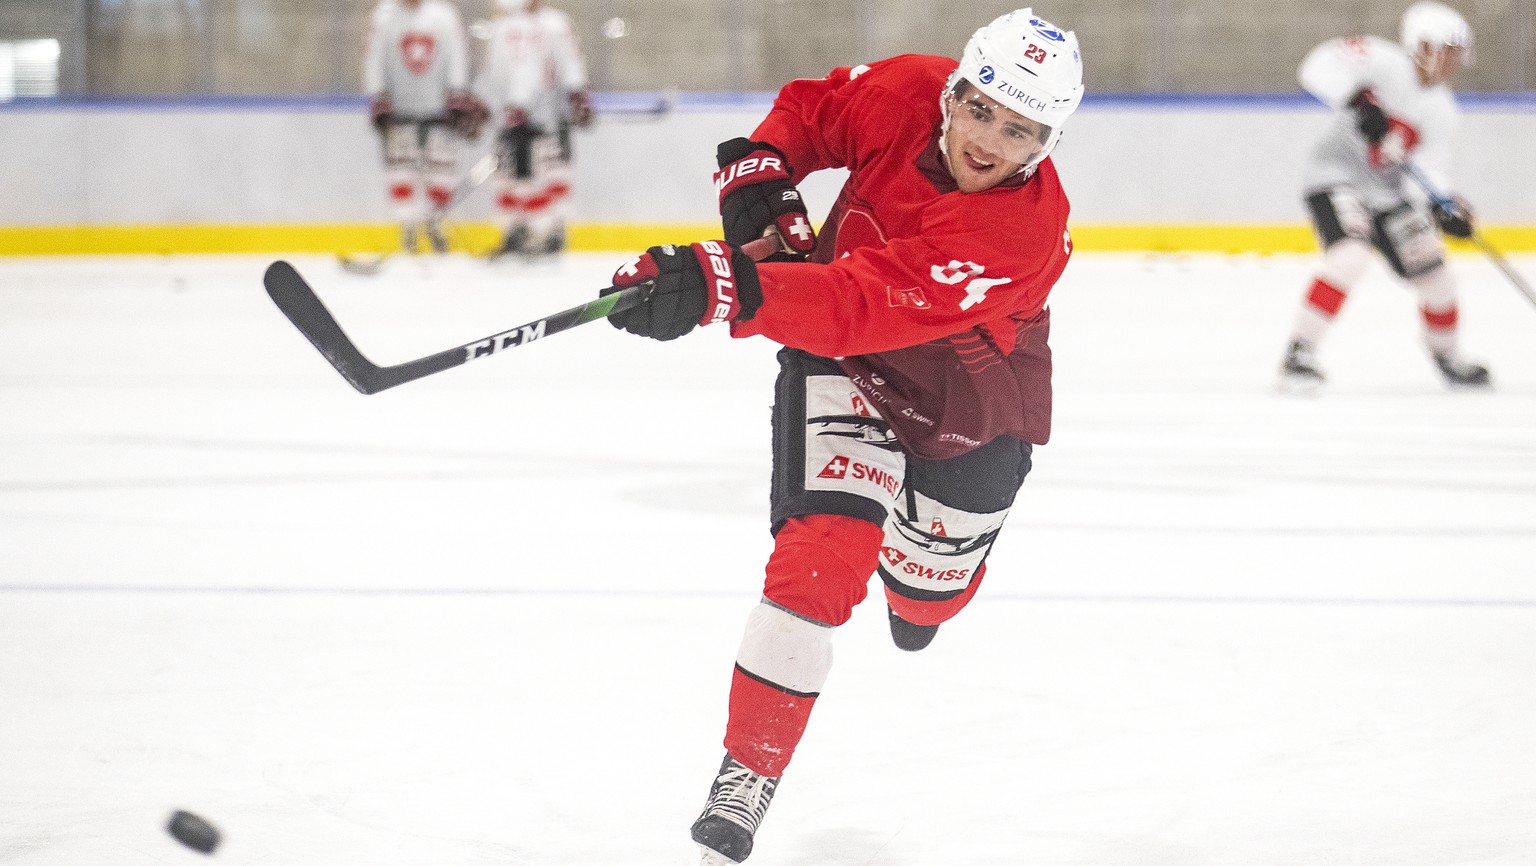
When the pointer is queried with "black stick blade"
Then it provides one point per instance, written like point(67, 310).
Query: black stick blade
point(303, 308)
point(298, 302)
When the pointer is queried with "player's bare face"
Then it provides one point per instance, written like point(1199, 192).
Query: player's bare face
point(1437, 63)
point(987, 143)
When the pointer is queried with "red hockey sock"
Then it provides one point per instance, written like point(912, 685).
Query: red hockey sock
point(1325, 297)
point(765, 724)
point(820, 569)
point(1440, 319)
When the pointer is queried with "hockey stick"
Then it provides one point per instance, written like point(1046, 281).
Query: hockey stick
point(1448, 206)
point(477, 175)
point(615, 107)
point(303, 308)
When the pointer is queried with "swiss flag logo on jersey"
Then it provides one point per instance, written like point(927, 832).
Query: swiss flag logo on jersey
point(417, 51)
point(938, 529)
point(860, 408)
point(892, 556)
point(836, 468)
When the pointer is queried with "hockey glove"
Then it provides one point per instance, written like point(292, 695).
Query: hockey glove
point(381, 112)
point(1455, 220)
point(1370, 119)
point(1400, 141)
point(688, 286)
point(756, 195)
point(581, 108)
point(466, 114)
point(515, 118)
point(1390, 140)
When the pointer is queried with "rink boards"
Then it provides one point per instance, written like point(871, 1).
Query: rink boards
point(1190, 172)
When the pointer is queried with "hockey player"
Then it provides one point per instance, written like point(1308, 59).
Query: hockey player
point(536, 77)
point(1392, 104)
point(416, 75)
point(915, 375)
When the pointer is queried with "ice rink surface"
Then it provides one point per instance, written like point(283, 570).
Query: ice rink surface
point(489, 617)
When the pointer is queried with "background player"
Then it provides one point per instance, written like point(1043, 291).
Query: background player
point(536, 78)
point(915, 373)
point(1392, 103)
point(416, 74)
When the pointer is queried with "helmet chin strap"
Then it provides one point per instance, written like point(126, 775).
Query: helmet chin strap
point(944, 124)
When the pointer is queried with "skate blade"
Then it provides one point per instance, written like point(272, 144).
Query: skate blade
point(362, 265)
point(712, 857)
point(1466, 387)
point(1299, 386)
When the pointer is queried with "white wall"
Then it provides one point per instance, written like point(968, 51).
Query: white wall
point(1124, 161)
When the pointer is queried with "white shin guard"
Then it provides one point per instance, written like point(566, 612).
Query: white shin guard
point(1345, 263)
point(1437, 304)
point(785, 649)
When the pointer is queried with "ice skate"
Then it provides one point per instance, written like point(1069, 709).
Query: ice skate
point(737, 802)
point(1460, 373)
point(514, 243)
point(435, 238)
point(910, 636)
point(1298, 372)
point(553, 243)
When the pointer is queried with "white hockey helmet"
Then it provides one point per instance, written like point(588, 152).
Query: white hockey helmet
point(1027, 65)
point(1436, 24)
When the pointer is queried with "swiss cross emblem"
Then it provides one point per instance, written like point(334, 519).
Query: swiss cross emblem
point(859, 406)
point(800, 229)
point(938, 529)
point(836, 468)
point(416, 50)
point(892, 555)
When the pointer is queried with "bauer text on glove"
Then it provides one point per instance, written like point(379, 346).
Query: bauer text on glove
point(687, 286)
point(756, 194)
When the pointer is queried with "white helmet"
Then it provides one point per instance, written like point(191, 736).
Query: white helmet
point(1028, 65)
point(1436, 24)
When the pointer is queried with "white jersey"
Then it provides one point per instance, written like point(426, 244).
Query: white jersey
point(1338, 69)
point(534, 64)
point(416, 56)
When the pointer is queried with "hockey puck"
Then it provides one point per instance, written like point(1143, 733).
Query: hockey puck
point(193, 832)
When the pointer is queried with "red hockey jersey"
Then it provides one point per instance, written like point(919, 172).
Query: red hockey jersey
point(932, 300)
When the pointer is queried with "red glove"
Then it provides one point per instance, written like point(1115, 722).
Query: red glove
point(756, 195)
point(381, 111)
point(581, 108)
point(694, 285)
